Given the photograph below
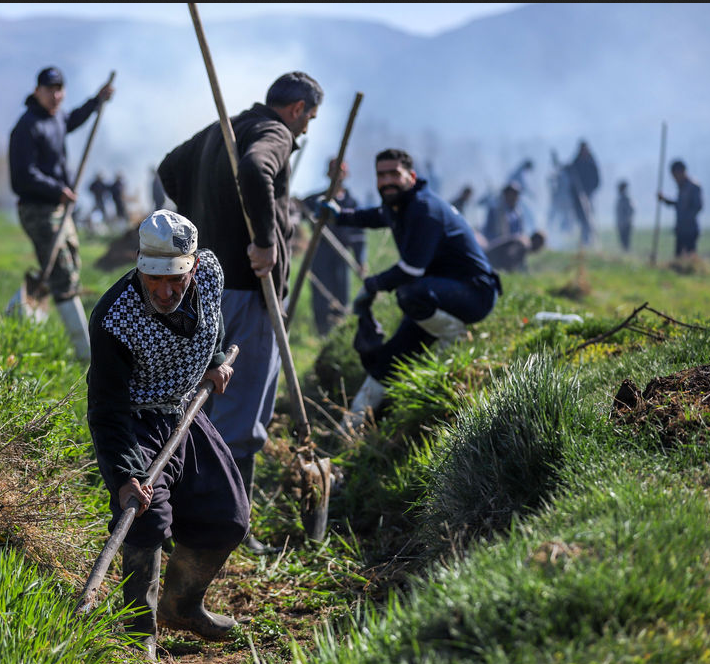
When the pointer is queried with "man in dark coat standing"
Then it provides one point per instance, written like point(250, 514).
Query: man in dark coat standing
point(40, 177)
point(584, 180)
point(197, 176)
point(687, 206)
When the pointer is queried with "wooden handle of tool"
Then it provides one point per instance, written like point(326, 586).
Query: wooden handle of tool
point(88, 594)
point(322, 217)
point(69, 207)
point(267, 283)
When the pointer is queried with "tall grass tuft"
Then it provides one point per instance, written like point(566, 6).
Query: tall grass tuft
point(503, 455)
point(38, 624)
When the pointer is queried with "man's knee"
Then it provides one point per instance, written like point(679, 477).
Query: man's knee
point(415, 301)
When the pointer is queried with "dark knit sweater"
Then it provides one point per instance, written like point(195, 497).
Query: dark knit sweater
point(198, 177)
point(141, 360)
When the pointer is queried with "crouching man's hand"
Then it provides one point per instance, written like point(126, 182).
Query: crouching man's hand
point(133, 489)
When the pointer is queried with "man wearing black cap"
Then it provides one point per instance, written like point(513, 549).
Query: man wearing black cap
point(39, 176)
point(154, 335)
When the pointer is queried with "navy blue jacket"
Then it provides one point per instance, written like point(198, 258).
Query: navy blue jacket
point(432, 237)
point(38, 156)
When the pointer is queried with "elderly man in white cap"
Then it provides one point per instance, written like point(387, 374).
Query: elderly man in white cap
point(155, 334)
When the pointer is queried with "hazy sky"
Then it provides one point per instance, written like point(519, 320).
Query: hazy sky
point(426, 18)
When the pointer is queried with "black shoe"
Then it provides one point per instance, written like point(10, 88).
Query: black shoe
point(259, 548)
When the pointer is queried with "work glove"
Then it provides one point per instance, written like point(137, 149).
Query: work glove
point(329, 208)
point(369, 336)
point(363, 301)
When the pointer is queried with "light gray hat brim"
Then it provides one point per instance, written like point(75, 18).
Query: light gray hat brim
point(165, 265)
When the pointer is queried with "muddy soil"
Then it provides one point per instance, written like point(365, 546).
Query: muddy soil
point(676, 407)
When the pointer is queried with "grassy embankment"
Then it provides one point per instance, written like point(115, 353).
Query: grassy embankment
point(495, 513)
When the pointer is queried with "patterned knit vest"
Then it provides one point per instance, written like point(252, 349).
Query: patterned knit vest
point(166, 365)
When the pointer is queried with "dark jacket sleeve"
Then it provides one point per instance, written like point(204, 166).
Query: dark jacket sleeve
point(219, 351)
point(26, 177)
point(365, 218)
point(80, 115)
point(109, 410)
point(417, 242)
point(258, 167)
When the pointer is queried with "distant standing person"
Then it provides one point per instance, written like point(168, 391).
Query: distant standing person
point(462, 199)
point(40, 177)
point(519, 177)
point(118, 189)
point(328, 266)
point(687, 206)
point(99, 189)
point(156, 190)
point(624, 215)
point(584, 181)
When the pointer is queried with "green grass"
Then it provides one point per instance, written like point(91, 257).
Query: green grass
point(38, 623)
point(495, 513)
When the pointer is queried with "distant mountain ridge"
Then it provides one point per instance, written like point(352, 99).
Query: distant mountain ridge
point(473, 101)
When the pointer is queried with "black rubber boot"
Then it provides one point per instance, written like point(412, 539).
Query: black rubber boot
point(188, 574)
point(246, 470)
point(141, 588)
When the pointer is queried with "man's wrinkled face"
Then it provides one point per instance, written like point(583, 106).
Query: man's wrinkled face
point(166, 290)
point(50, 97)
point(393, 179)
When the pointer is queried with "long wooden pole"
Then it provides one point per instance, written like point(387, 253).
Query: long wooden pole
point(87, 600)
point(323, 217)
point(657, 224)
point(334, 242)
point(70, 205)
point(303, 429)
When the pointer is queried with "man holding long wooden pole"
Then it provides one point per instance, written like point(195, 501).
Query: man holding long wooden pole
point(198, 177)
point(155, 335)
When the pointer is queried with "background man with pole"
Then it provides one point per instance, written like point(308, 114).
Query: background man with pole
point(443, 280)
point(155, 334)
point(197, 176)
point(584, 180)
point(40, 177)
point(328, 266)
point(687, 206)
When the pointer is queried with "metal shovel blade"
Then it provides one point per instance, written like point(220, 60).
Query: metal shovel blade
point(315, 496)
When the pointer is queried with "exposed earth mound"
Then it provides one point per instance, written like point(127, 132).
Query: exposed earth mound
point(677, 407)
point(122, 251)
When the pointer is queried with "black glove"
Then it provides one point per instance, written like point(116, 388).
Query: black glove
point(363, 301)
point(369, 336)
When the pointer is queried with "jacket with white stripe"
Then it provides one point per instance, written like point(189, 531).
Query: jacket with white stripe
point(432, 237)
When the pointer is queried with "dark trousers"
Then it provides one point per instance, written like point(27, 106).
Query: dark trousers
point(198, 499)
point(686, 240)
point(334, 273)
point(418, 300)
